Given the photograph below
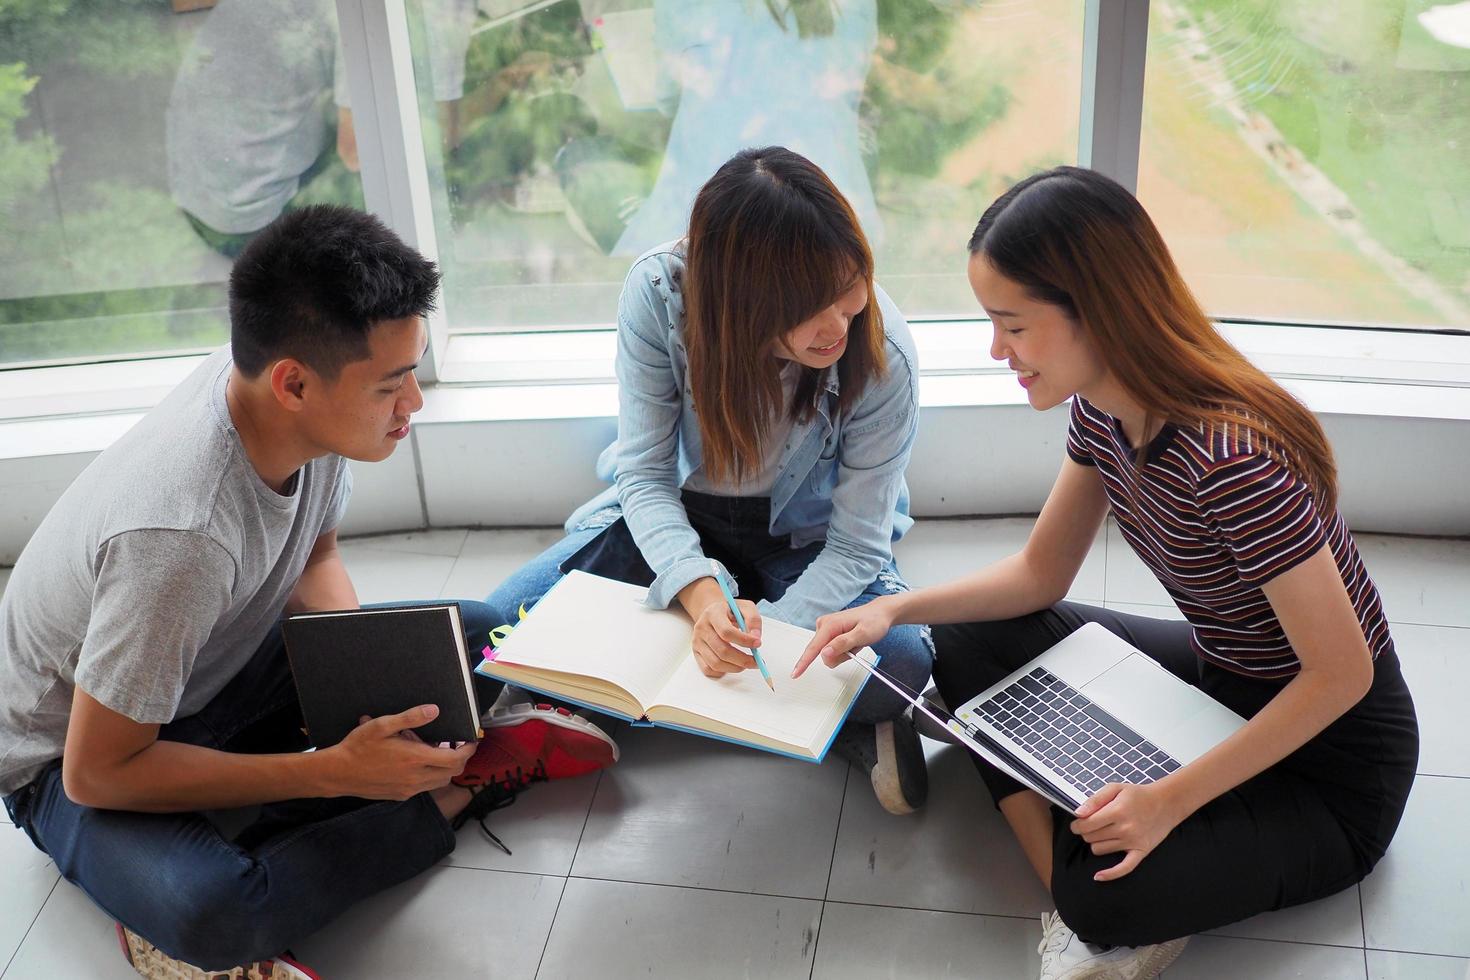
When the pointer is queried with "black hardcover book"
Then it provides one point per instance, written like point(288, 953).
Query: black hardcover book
point(381, 661)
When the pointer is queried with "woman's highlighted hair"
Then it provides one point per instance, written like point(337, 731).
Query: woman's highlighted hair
point(772, 242)
point(1078, 240)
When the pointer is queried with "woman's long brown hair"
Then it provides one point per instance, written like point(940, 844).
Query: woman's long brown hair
point(772, 242)
point(1078, 240)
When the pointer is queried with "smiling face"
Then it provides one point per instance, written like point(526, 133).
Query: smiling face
point(363, 414)
point(1050, 353)
point(820, 341)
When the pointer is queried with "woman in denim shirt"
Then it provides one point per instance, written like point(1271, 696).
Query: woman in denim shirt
point(768, 401)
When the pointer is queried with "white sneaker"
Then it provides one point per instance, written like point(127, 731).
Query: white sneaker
point(1065, 957)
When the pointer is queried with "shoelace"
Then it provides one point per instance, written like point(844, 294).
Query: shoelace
point(1053, 934)
point(497, 803)
point(503, 792)
point(518, 779)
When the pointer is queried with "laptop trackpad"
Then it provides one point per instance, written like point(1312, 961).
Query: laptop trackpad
point(1176, 716)
point(1145, 696)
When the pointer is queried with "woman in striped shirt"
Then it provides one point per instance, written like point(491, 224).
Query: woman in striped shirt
point(1225, 486)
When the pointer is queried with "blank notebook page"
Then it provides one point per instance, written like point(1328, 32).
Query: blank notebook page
point(597, 627)
point(800, 710)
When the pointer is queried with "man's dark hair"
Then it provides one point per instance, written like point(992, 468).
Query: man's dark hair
point(314, 283)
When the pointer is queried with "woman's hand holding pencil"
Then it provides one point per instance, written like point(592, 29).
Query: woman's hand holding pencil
point(718, 632)
point(722, 625)
point(718, 638)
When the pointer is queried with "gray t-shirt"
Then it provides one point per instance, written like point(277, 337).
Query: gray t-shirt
point(251, 107)
point(156, 576)
point(248, 114)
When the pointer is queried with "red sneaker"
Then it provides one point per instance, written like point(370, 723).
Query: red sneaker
point(530, 743)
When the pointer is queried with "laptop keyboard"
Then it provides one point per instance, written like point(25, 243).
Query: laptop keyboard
point(1056, 722)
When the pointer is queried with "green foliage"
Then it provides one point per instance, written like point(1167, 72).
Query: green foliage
point(125, 322)
point(1365, 95)
point(555, 33)
point(24, 164)
point(125, 229)
point(922, 102)
point(39, 31)
point(526, 131)
point(131, 45)
point(812, 18)
point(916, 30)
point(916, 133)
point(31, 28)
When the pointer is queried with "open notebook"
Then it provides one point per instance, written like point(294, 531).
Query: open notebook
point(592, 641)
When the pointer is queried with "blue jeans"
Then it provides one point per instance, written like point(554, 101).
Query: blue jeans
point(179, 882)
point(734, 530)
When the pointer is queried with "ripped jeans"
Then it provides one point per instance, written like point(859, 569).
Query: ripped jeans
point(734, 530)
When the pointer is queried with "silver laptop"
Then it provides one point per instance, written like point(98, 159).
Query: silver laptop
point(1091, 710)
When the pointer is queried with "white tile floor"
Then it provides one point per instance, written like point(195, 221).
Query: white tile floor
point(696, 859)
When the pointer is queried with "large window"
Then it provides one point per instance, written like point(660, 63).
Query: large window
point(1311, 161)
point(140, 146)
point(567, 137)
point(1306, 161)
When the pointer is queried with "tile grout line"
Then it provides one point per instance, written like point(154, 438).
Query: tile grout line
point(1363, 923)
point(567, 878)
point(554, 913)
point(827, 889)
point(1418, 952)
point(664, 884)
point(27, 934)
point(1017, 917)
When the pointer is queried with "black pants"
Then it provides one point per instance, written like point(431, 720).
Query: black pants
point(1311, 825)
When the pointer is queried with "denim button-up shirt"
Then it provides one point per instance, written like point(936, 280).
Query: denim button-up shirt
point(840, 479)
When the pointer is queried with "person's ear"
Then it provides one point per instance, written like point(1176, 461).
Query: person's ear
point(289, 382)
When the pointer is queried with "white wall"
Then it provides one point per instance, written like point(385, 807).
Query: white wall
point(1409, 476)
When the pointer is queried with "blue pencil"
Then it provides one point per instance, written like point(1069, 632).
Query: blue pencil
point(740, 621)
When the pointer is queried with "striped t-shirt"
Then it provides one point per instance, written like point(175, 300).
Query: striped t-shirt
point(1214, 517)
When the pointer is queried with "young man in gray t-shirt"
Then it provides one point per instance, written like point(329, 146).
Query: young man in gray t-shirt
point(144, 677)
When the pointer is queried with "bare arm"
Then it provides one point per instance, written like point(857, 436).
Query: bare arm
point(112, 762)
point(324, 583)
point(1036, 577)
point(1337, 669)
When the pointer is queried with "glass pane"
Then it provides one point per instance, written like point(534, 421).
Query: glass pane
point(567, 137)
point(1311, 161)
point(141, 143)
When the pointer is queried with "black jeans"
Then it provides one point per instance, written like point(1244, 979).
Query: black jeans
point(1310, 826)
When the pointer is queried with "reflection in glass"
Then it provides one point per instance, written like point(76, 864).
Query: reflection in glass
point(1311, 161)
point(139, 148)
point(583, 129)
point(254, 119)
point(746, 75)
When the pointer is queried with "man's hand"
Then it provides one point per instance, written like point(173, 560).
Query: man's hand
point(377, 762)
